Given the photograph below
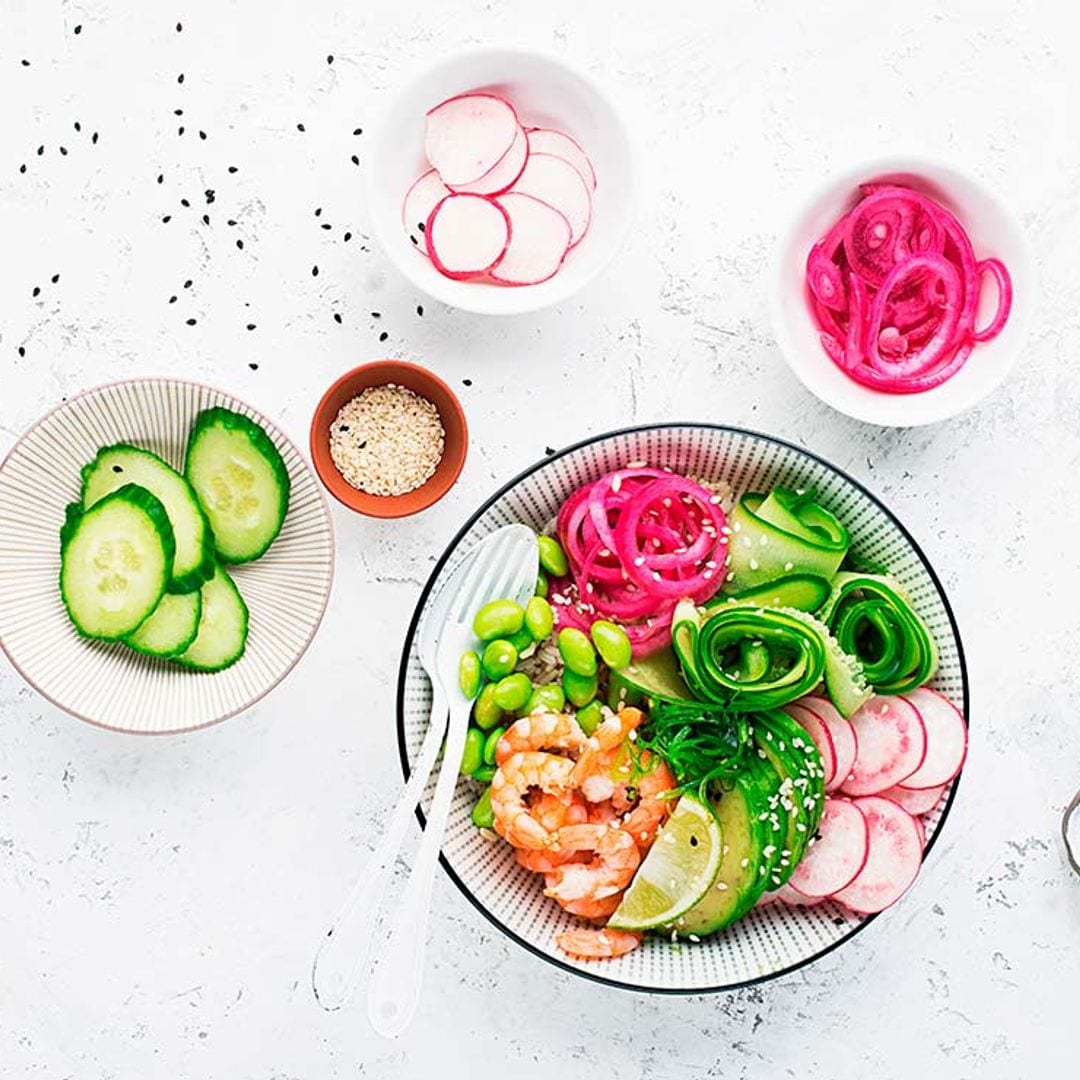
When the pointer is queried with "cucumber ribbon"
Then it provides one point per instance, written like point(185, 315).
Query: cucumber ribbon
point(749, 658)
point(782, 534)
point(872, 618)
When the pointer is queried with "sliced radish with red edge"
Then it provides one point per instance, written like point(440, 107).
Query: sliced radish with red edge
point(550, 141)
point(893, 861)
point(922, 831)
point(845, 741)
point(915, 802)
point(946, 739)
point(539, 241)
point(837, 854)
point(892, 745)
point(466, 136)
point(467, 235)
point(505, 174)
point(822, 738)
point(552, 180)
point(425, 194)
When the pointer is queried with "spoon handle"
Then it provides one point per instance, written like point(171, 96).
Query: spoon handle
point(394, 991)
point(346, 946)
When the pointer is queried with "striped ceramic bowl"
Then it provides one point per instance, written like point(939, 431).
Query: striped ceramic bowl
point(107, 684)
point(771, 940)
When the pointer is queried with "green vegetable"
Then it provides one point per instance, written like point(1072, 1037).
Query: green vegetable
point(483, 817)
point(576, 651)
point(484, 773)
point(546, 698)
point(512, 692)
point(499, 659)
point(473, 755)
point(589, 717)
point(116, 560)
point(541, 584)
point(748, 658)
point(486, 711)
point(579, 689)
point(807, 592)
point(784, 533)
point(539, 618)
point(171, 628)
point(491, 743)
point(611, 643)
point(469, 675)
point(552, 557)
point(498, 619)
point(522, 640)
point(241, 481)
point(223, 627)
point(872, 618)
point(653, 678)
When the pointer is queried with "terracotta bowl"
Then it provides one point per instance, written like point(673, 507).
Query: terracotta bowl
point(421, 381)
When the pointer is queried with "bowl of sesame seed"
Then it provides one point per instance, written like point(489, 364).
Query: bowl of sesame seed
point(389, 439)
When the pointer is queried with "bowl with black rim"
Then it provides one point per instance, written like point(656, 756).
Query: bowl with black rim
point(770, 940)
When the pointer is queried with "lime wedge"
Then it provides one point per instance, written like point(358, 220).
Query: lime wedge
point(677, 872)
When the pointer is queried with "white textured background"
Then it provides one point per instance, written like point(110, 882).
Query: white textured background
point(160, 899)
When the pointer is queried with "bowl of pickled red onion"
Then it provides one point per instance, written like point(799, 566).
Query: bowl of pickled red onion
point(901, 292)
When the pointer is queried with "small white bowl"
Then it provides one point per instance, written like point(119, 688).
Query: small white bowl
point(546, 93)
point(993, 231)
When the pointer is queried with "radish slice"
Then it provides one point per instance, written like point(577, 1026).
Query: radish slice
point(892, 862)
point(845, 741)
point(465, 137)
point(946, 739)
point(819, 732)
point(922, 832)
point(838, 853)
point(504, 175)
point(549, 141)
point(915, 802)
point(892, 745)
point(425, 194)
point(552, 180)
point(467, 235)
point(539, 241)
point(787, 895)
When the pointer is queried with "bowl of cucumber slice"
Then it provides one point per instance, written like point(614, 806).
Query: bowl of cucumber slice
point(150, 534)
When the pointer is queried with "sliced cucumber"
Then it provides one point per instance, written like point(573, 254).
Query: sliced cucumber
point(807, 592)
point(223, 627)
point(121, 464)
point(241, 481)
point(115, 561)
point(171, 628)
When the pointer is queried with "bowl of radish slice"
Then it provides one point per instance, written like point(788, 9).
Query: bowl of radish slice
point(504, 181)
point(901, 292)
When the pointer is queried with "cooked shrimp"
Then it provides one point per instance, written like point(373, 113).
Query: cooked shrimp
point(588, 944)
point(602, 813)
point(651, 810)
point(615, 857)
point(541, 731)
point(608, 736)
point(510, 785)
point(554, 811)
point(593, 909)
point(545, 860)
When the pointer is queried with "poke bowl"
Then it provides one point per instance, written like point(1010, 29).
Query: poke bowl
point(779, 929)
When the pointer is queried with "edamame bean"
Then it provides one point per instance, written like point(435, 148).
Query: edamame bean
point(490, 744)
point(484, 774)
point(541, 584)
point(513, 692)
point(611, 643)
point(499, 659)
point(483, 817)
point(579, 689)
point(590, 716)
point(498, 619)
point(539, 618)
point(552, 556)
point(521, 640)
point(577, 651)
point(546, 698)
point(486, 711)
point(469, 674)
point(473, 755)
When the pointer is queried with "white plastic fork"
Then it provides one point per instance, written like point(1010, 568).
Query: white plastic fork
point(508, 568)
point(345, 948)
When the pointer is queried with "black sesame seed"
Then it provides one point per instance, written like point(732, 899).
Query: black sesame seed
point(78, 29)
point(22, 168)
point(191, 322)
point(300, 127)
point(232, 169)
point(354, 159)
point(376, 314)
point(693, 841)
point(78, 126)
point(40, 150)
point(180, 77)
point(549, 450)
point(330, 58)
point(26, 63)
point(36, 291)
point(383, 336)
point(347, 237)
point(358, 131)
point(420, 310)
point(118, 468)
point(314, 271)
point(178, 112)
point(251, 326)
point(180, 130)
point(337, 317)
point(421, 226)
point(231, 221)
point(202, 134)
point(206, 219)
point(55, 278)
point(466, 382)
point(94, 138)
point(188, 283)
point(166, 219)
point(179, 27)
point(172, 299)
point(326, 225)
point(361, 444)
point(184, 202)
point(318, 211)
point(22, 351)
point(209, 195)
point(253, 366)
point(343, 428)
point(414, 240)
point(63, 151)
point(161, 178)
point(240, 244)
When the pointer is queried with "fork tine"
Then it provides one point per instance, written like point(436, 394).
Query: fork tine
point(480, 572)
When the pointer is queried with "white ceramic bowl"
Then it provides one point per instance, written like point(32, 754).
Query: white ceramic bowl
point(993, 231)
point(546, 93)
point(770, 940)
point(286, 590)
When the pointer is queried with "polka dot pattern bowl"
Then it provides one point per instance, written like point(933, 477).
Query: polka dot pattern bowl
point(773, 939)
